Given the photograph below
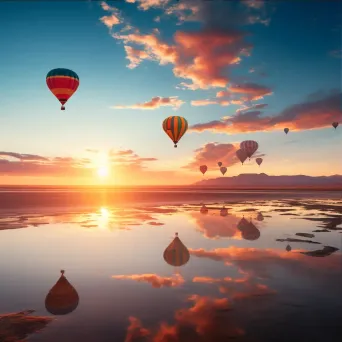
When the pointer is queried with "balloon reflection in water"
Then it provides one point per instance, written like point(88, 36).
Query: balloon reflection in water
point(62, 298)
point(248, 230)
point(260, 217)
point(204, 209)
point(224, 211)
point(176, 254)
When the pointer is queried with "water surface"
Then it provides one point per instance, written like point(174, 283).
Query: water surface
point(250, 277)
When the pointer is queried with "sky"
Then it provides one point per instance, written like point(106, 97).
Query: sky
point(235, 70)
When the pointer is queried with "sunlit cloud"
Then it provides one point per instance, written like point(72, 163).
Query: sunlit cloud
point(155, 103)
point(313, 114)
point(153, 279)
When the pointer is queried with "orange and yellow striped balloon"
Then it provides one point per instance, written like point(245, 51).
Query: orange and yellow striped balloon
point(62, 83)
point(175, 127)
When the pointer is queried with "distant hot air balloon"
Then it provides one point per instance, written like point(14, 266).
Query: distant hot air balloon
point(175, 127)
point(286, 130)
point(176, 254)
point(242, 155)
point(203, 169)
point(62, 83)
point(259, 161)
point(335, 124)
point(250, 147)
point(62, 298)
point(204, 209)
point(224, 212)
point(223, 170)
point(288, 248)
point(219, 164)
point(260, 217)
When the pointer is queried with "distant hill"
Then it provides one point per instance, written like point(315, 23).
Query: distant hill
point(263, 181)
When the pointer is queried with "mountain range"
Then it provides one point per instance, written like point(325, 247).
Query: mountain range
point(264, 181)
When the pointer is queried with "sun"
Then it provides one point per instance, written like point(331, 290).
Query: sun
point(102, 171)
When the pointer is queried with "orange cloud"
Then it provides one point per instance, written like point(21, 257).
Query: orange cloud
point(113, 19)
point(259, 262)
point(316, 113)
point(215, 226)
point(135, 56)
point(210, 154)
point(201, 57)
point(147, 4)
point(207, 102)
point(237, 288)
point(153, 279)
point(198, 103)
point(251, 91)
point(135, 331)
point(248, 108)
point(19, 164)
point(155, 103)
point(206, 320)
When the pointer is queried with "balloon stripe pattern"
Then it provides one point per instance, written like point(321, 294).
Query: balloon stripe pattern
point(249, 146)
point(176, 254)
point(175, 127)
point(63, 83)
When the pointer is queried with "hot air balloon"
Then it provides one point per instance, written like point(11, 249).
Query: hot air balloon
point(224, 212)
point(62, 298)
point(176, 254)
point(250, 232)
point(260, 217)
point(286, 130)
point(204, 209)
point(288, 248)
point(250, 147)
point(259, 161)
point(175, 127)
point(62, 83)
point(335, 124)
point(203, 169)
point(223, 170)
point(219, 164)
point(242, 155)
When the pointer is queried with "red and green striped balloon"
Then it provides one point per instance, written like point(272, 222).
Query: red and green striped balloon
point(175, 127)
point(63, 83)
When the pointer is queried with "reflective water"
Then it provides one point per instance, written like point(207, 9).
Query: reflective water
point(250, 277)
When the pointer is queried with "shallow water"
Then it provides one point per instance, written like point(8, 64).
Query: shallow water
point(240, 283)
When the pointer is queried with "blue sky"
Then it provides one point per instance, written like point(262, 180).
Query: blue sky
point(295, 54)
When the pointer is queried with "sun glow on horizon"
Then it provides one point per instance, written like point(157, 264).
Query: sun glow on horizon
point(103, 171)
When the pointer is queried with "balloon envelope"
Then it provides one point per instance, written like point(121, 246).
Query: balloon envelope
point(203, 168)
point(63, 83)
point(176, 254)
point(175, 127)
point(219, 164)
point(62, 298)
point(249, 146)
point(258, 161)
point(223, 169)
point(288, 248)
point(335, 124)
point(242, 155)
point(286, 130)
